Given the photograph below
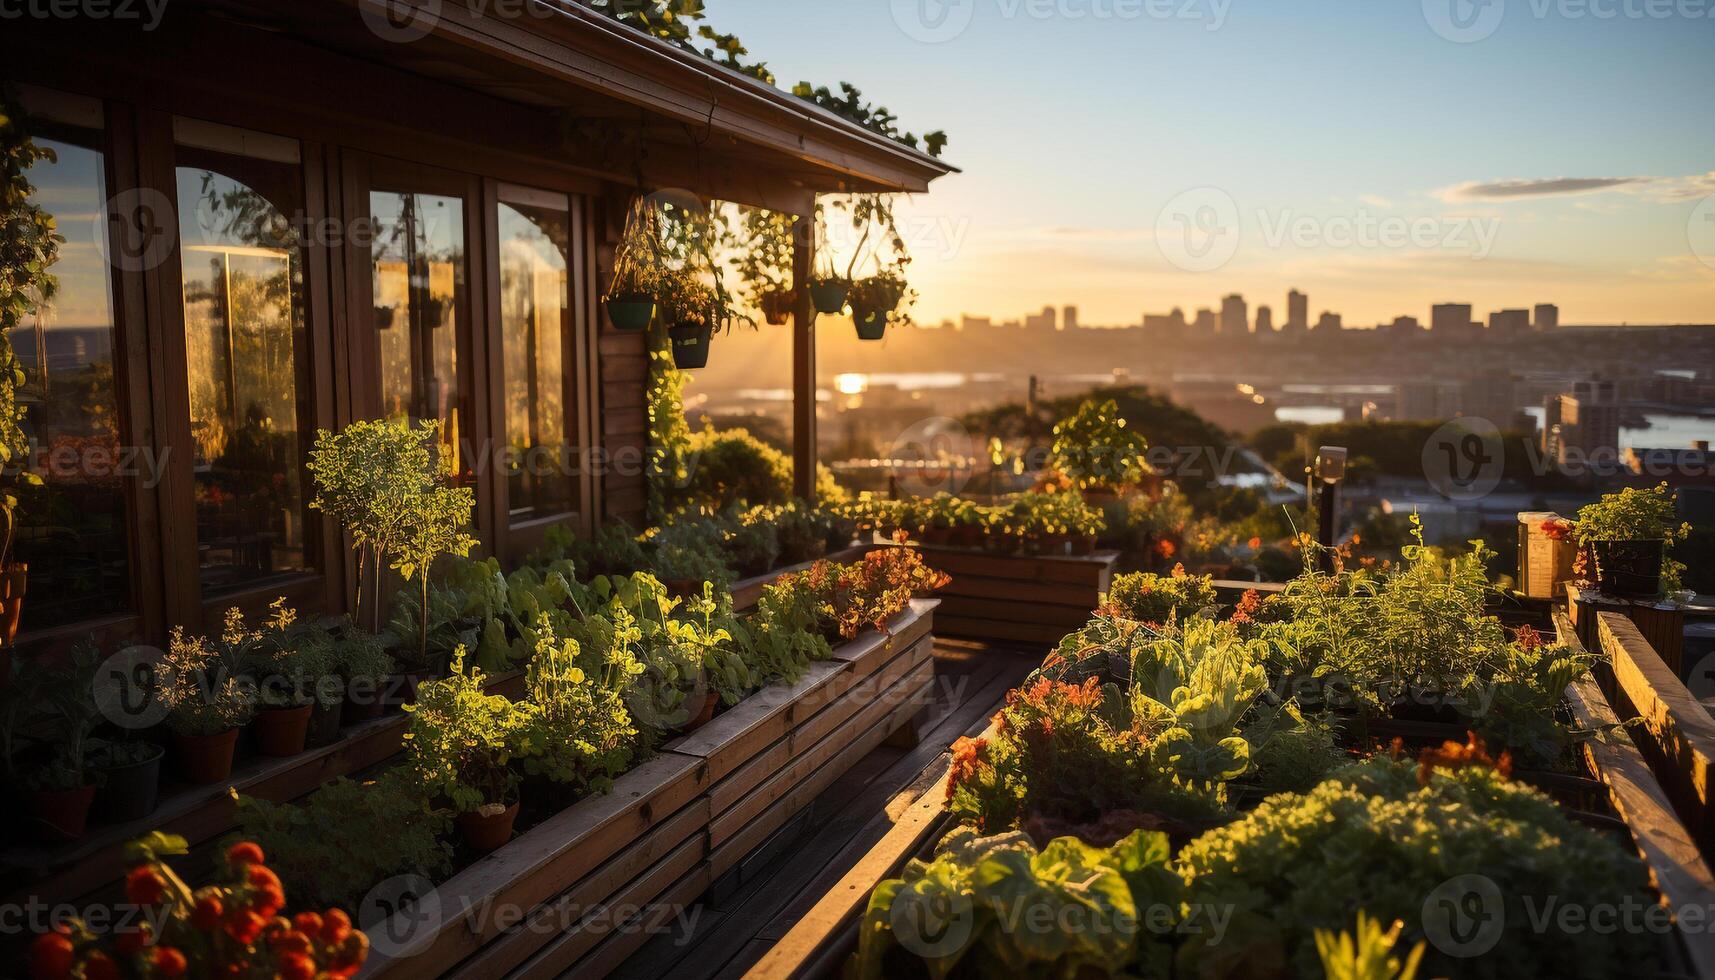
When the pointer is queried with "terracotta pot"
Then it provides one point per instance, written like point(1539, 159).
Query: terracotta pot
point(938, 537)
point(129, 792)
point(486, 833)
point(968, 536)
point(704, 715)
point(205, 759)
point(12, 583)
point(1084, 544)
point(59, 815)
point(282, 732)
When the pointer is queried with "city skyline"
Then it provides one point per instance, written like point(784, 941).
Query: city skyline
point(1090, 127)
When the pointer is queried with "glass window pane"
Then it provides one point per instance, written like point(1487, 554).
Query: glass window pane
point(418, 261)
point(246, 362)
point(72, 529)
point(533, 300)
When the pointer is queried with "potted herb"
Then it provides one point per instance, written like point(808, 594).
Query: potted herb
point(1094, 449)
point(708, 628)
point(587, 735)
point(1623, 540)
point(466, 745)
point(127, 778)
point(363, 666)
point(686, 555)
point(280, 670)
point(206, 705)
point(55, 702)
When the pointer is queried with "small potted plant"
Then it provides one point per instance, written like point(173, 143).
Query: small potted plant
point(828, 294)
point(587, 735)
point(1623, 541)
point(56, 704)
point(206, 705)
point(280, 665)
point(874, 300)
point(466, 745)
point(764, 263)
point(127, 778)
point(363, 667)
point(1096, 451)
point(630, 299)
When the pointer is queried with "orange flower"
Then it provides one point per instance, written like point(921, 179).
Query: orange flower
point(143, 886)
point(169, 962)
point(100, 966)
point(297, 966)
point(336, 925)
point(1452, 757)
point(245, 925)
point(208, 913)
point(51, 956)
point(243, 853)
point(131, 942)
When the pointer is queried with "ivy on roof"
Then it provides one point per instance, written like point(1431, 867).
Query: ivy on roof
point(677, 23)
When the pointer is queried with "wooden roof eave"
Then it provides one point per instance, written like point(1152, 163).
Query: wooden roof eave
point(578, 46)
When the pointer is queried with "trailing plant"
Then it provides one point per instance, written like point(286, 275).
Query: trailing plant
point(332, 848)
point(669, 463)
point(997, 906)
point(850, 104)
point(1095, 449)
point(763, 243)
point(466, 745)
point(234, 926)
point(1162, 599)
point(1376, 837)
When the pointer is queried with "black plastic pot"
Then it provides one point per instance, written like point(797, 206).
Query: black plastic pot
point(777, 307)
point(128, 792)
point(829, 297)
point(1629, 569)
point(325, 723)
point(871, 324)
point(631, 312)
point(690, 345)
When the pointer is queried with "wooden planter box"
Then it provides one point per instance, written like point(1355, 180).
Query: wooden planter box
point(1033, 600)
point(581, 890)
point(745, 592)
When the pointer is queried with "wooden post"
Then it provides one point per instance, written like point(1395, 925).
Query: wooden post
point(804, 357)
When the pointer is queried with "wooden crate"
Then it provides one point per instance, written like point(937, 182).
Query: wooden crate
point(1544, 564)
point(1032, 600)
point(569, 889)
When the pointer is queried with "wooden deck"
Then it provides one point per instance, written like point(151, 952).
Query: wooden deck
point(752, 906)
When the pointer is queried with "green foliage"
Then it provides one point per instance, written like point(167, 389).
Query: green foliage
point(788, 631)
point(1094, 447)
point(689, 553)
point(29, 247)
point(1633, 514)
point(334, 847)
point(586, 735)
point(1374, 838)
point(669, 464)
point(1190, 691)
point(1368, 955)
point(198, 679)
point(465, 744)
point(849, 104)
point(729, 467)
point(998, 906)
point(750, 546)
point(1150, 598)
point(53, 701)
point(764, 254)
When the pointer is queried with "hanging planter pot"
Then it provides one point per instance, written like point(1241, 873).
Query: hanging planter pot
point(777, 307)
point(631, 312)
point(829, 296)
point(871, 324)
point(690, 344)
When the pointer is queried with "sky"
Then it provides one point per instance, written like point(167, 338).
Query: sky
point(1130, 156)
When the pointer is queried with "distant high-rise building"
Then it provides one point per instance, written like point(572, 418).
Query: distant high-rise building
point(1069, 318)
point(1297, 311)
point(1509, 322)
point(1264, 320)
point(1450, 319)
point(1042, 321)
point(1329, 323)
point(1405, 325)
point(969, 322)
point(1429, 401)
point(1547, 317)
point(1204, 325)
point(1171, 324)
point(1589, 422)
point(1235, 316)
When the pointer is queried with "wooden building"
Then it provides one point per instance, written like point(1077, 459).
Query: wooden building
point(285, 215)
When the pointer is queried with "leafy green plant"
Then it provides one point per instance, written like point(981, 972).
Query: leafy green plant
point(800, 530)
point(707, 628)
point(789, 628)
point(332, 848)
point(198, 680)
point(1368, 955)
point(731, 467)
point(586, 736)
point(1632, 514)
point(1095, 449)
point(763, 243)
point(1383, 837)
point(688, 554)
point(751, 546)
point(1173, 598)
point(54, 703)
point(466, 745)
point(998, 906)
point(613, 550)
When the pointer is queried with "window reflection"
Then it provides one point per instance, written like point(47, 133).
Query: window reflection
point(72, 529)
point(419, 302)
point(533, 301)
point(246, 363)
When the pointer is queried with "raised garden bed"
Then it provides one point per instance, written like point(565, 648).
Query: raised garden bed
point(544, 903)
point(1026, 599)
point(745, 592)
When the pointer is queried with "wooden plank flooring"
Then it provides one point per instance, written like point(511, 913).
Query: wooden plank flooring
point(747, 910)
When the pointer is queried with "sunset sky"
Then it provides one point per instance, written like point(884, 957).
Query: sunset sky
point(1135, 155)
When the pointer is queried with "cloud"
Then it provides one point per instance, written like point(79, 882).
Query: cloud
point(1654, 188)
point(1375, 200)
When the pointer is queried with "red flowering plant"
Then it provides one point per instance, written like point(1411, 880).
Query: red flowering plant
point(234, 927)
point(865, 594)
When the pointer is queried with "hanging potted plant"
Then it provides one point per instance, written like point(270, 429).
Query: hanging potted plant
point(764, 263)
point(687, 308)
point(874, 300)
point(630, 300)
point(1623, 541)
point(29, 246)
point(465, 746)
point(693, 300)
